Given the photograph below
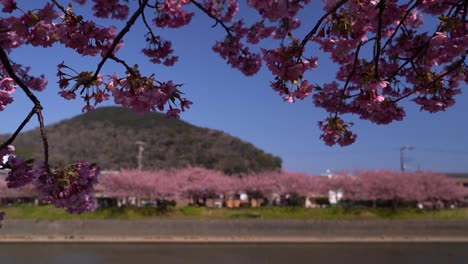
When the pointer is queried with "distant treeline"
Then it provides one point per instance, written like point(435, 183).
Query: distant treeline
point(199, 184)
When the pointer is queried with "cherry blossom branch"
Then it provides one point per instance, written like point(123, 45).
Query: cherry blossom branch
point(37, 109)
point(59, 6)
point(348, 79)
point(119, 37)
point(7, 65)
point(12, 138)
point(129, 69)
point(218, 21)
point(378, 43)
point(401, 23)
point(421, 49)
point(453, 67)
point(45, 142)
point(145, 22)
point(353, 71)
point(319, 22)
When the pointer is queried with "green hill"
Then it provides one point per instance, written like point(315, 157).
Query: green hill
point(107, 136)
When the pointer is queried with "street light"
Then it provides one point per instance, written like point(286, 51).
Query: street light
point(402, 156)
point(140, 153)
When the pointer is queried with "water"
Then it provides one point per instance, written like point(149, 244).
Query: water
point(329, 253)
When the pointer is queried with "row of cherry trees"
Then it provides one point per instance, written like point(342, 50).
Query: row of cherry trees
point(199, 183)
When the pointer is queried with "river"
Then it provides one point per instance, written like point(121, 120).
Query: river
point(210, 253)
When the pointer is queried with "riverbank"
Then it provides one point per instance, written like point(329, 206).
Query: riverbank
point(233, 231)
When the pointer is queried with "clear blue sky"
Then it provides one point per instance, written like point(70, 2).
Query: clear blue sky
point(247, 108)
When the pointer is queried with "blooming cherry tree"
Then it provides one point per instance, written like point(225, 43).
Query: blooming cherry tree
point(386, 51)
point(201, 183)
point(395, 186)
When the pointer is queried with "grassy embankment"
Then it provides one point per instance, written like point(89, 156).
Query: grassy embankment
point(49, 212)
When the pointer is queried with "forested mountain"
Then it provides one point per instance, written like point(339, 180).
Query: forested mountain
point(107, 136)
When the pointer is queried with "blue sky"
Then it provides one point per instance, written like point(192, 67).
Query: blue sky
point(246, 107)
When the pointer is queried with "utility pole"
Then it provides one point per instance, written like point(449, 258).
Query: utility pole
point(402, 156)
point(140, 154)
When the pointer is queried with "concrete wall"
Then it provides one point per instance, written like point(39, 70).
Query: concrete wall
point(229, 230)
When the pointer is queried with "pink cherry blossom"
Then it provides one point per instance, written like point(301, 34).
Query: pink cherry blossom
point(110, 8)
point(7, 87)
point(8, 5)
point(170, 14)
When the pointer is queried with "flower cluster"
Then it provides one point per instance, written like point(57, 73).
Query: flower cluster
point(144, 94)
point(21, 172)
point(224, 10)
point(70, 187)
point(159, 51)
point(33, 82)
point(335, 131)
point(275, 10)
point(406, 61)
point(237, 54)
point(169, 13)
point(110, 8)
point(84, 83)
point(38, 28)
point(7, 87)
point(8, 5)
point(258, 31)
point(286, 62)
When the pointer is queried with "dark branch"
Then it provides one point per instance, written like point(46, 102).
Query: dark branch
point(45, 143)
point(453, 67)
point(226, 28)
point(37, 109)
point(119, 37)
point(319, 22)
point(378, 43)
point(400, 23)
point(9, 69)
point(143, 17)
point(12, 138)
point(129, 69)
point(353, 71)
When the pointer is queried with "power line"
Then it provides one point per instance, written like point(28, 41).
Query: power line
point(446, 151)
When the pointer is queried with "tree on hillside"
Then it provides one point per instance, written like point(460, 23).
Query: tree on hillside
point(385, 52)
